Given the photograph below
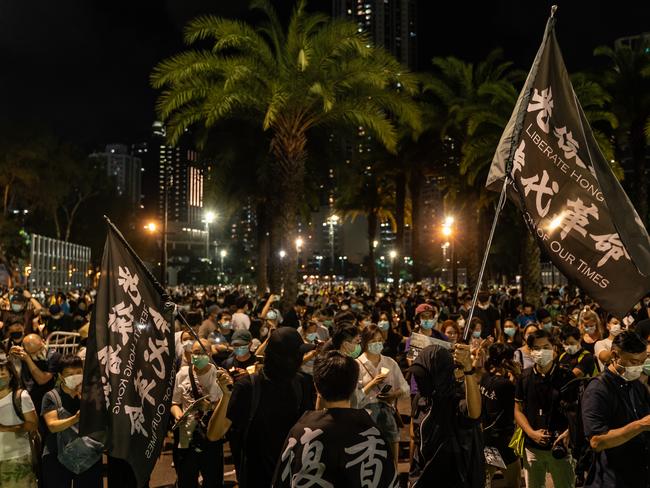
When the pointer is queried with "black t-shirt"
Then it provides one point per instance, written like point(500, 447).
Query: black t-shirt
point(540, 398)
point(291, 319)
point(36, 391)
point(489, 317)
point(280, 406)
point(498, 401)
point(233, 362)
point(70, 404)
point(610, 402)
point(338, 447)
point(583, 360)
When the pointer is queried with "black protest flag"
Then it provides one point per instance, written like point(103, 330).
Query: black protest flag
point(129, 368)
point(571, 200)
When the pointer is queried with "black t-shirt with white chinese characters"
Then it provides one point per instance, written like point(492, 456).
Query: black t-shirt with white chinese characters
point(334, 448)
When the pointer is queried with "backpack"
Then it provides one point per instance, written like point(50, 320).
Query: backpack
point(580, 357)
point(76, 452)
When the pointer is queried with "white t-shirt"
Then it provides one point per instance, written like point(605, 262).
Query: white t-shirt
point(14, 445)
point(240, 321)
point(395, 378)
point(600, 346)
point(207, 385)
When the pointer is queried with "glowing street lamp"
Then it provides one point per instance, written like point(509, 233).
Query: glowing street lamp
point(222, 254)
point(151, 227)
point(282, 254)
point(448, 233)
point(208, 218)
point(299, 243)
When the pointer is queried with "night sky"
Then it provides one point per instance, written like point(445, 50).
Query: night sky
point(80, 68)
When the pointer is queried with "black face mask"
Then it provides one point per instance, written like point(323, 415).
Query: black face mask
point(16, 336)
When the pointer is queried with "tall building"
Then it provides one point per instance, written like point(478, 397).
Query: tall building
point(392, 24)
point(125, 169)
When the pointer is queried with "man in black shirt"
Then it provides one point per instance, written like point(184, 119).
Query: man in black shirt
point(489, 315)
point(335, 445)
point(616, 418)
point(537, 411)
point(293, 318)
point(262, 409)
point(574, 358)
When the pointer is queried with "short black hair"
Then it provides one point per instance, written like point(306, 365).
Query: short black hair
point(335, 376)
point(194, 318)
point(344, 333)
point(630, 342)
point(367, 335)
point(538, 334)
point(498, 354)
point(569, 331)
point(300, 302)
point(70, 361)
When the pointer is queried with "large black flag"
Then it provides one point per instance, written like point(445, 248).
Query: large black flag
point(569, 196)
point(129, 369)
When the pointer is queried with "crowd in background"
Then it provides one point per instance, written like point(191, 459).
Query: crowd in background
point(558, 388)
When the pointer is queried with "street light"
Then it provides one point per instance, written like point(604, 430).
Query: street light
point(222, 254)
point(151, 227)
point(332, 220)
point(282, 254)
point(448, 232)
point(208, 218)
point(299, 243)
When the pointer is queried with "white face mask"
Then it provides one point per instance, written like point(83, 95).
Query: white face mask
point(572, 349)
point(187, 345)
point(632, 373)
point(542, 358)
point(615, 329)
point(73, 381)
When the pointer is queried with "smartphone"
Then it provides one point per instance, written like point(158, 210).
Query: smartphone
point(385, 389)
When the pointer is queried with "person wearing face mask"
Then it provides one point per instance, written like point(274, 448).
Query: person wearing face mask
point(392, 339)
point(194, 453)
point(346, 340)
point(523, 354)
point(40, 366)
point(575, 359)
point(538, 400)
point(590, 326)
point(315, 327)
point(17, 419)
point(511, 333)
point(241, 357)
point(60, 411)
point(382, 384)
point(603, 347)
point(616, 418)
point(209, 324)
point(58, 320)
point(489, 315)
point(22, 308)
point(294, 316)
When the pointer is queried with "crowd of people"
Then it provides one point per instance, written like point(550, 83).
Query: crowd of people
point(311, 396)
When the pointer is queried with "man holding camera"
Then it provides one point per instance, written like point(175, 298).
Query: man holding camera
point(616, 418)
point(539, 413)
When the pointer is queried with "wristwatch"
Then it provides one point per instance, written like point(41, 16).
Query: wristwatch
point(470, 372)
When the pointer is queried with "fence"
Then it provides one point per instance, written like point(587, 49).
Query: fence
point(58, 265)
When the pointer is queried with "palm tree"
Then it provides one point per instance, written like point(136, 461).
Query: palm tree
point(370, 194)
point(317, 72)
point(627, 80)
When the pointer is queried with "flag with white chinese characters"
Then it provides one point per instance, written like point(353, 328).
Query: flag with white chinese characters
point(570, 199)
point(129, 368)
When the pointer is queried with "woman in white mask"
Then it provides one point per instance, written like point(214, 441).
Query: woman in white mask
point(602, 349)
point(60, 411)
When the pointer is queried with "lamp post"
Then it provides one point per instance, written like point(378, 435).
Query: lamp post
point(222, 254)
point(392, 254)
point(208, 218)
point(332, 220)
point(448, 232)
point(299, 243)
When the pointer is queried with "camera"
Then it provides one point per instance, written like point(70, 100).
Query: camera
point(558, 451)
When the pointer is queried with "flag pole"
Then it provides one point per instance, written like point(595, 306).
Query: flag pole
point(486, 253)
point(159, 288)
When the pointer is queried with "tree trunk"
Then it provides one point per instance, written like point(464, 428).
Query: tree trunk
point(289, 148)
point(638, 143)
point(263, 241)
point(400, 206)
point(531, 271)
point(415, 189)
point(5, 200)
point(372, 265)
